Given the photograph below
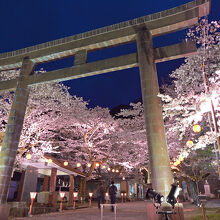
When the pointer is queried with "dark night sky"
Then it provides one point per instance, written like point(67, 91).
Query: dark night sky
point(28, 22)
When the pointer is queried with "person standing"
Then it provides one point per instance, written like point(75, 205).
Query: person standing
point(112, 194)
point(101, 195)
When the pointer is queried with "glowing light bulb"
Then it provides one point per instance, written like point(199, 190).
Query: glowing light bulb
point(97, 164)
point(109, 169)
point(89, 165)
point(29, 156)
point(113, 170)
point(117, 171)
point(65, 163)
point(78, 164)
point(90, 194)
point(103, 167)
point(189, 143)
point(197, 128)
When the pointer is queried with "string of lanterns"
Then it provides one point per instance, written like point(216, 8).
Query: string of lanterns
point(65, 163)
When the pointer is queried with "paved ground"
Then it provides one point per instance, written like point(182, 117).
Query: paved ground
point(128, 211)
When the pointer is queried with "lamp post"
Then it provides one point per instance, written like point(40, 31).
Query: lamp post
point(62, 194)
point(90, 203)
point(125, 194)
point(107, 197)
point(75, 194)
point(122, 197)
point(33, 196)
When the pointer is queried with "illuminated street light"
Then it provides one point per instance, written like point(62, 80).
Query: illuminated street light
point(33, 196)
point(90, 203)
point(75, 194)
point(62, 194)
point(196, 128)
point(122, 196)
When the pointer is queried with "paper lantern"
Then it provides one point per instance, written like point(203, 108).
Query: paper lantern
point(62, 194)
point(197, 128)
point(29, 156)
point(90, 194)
point(89, 165)
point(33, 195)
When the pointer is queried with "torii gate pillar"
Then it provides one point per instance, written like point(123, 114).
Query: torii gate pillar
point(14, 128)
point(158, 154)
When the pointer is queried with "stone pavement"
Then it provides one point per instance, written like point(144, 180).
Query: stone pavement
point(128, 211)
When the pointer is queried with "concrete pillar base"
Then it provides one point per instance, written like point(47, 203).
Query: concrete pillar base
point(4, 211)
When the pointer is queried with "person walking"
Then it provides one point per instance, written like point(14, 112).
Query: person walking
point(101, 194)
point(112, 194)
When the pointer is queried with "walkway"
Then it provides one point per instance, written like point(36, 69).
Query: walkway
point(125, 211)
point(128, 211)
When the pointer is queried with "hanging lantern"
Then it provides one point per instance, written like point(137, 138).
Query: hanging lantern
point(89, 164)
point(109, 169)
point(49, 161)
point(103, 167)
point(117, 171)
point(97, 164)
point(197, 128)
point(113, 170)
point(189, 143)
point(29, 156)
point(65, 163)
point(78, 164)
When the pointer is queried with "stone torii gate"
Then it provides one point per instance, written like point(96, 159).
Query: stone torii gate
point(140, 30)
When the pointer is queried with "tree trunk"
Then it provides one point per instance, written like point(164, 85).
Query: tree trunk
point(197, 186)
point(82, 190)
